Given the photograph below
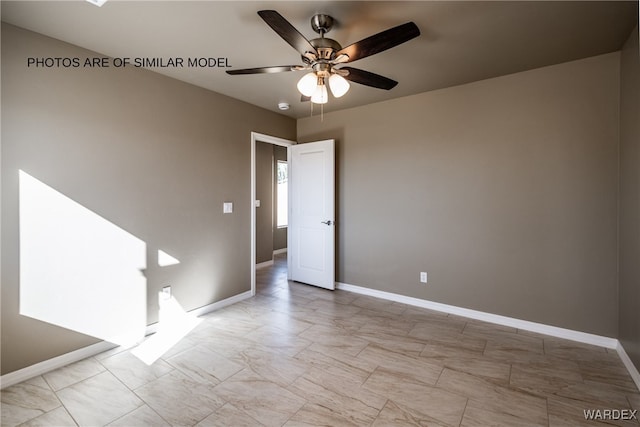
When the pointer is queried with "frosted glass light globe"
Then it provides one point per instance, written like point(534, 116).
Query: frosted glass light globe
point(339, 85)
point(320, 96)
point(307, 84)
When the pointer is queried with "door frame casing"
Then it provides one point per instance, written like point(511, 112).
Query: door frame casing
point(274, 140)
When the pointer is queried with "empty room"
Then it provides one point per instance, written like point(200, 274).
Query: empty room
point(320, 213)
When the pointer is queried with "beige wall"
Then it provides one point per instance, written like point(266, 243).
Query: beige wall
point(264, 193)
point(503, 190)
point(630, 199)
point(155, 156)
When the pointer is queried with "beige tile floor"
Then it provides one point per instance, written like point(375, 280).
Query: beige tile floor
point(296, 355)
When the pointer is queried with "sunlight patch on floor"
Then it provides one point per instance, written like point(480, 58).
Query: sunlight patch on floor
point(175, 323)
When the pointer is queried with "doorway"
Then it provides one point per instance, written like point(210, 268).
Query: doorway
point(311, 214)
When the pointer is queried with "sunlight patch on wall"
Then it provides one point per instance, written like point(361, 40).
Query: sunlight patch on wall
point(164, 259)
point(78, 270)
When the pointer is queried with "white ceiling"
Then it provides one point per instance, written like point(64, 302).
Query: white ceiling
point(460, 41)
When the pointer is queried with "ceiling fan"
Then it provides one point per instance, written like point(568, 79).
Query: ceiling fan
point(324, 57)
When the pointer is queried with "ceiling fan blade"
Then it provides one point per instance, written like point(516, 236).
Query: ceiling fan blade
point(381, 41)
point(369, 79)
point(263, 70)
point(287, 31)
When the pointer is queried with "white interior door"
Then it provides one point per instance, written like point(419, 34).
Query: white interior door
point(312, 216)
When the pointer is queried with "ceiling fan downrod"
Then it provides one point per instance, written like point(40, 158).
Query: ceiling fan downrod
point(322, 23)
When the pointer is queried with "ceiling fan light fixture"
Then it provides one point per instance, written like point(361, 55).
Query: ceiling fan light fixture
point(322, 54)
point(320, 95)
point(338, 85)
point(308, 84)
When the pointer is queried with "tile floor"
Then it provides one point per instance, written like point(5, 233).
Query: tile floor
point(296, 355)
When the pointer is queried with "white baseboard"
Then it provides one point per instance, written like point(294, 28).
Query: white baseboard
point(220, 304)
point(280, 251)
point(633, 371)
point(526, 325)
point(264, 264)
point(43, 367)
point(197, 312)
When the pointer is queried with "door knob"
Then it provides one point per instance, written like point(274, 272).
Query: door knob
point(327, 222)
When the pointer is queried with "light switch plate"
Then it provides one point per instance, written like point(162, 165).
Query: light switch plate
point(227, 207)
point(257, 203)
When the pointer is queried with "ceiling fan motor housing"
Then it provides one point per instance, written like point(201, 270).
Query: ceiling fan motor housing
point(325, 47)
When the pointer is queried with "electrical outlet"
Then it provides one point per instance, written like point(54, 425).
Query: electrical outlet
point(423, 276)
point(166, 293)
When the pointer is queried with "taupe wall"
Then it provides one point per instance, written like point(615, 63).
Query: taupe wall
point(155, 156)
point(630, 199)
point(503, 190)
point(279, 234)
point(264, 193)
